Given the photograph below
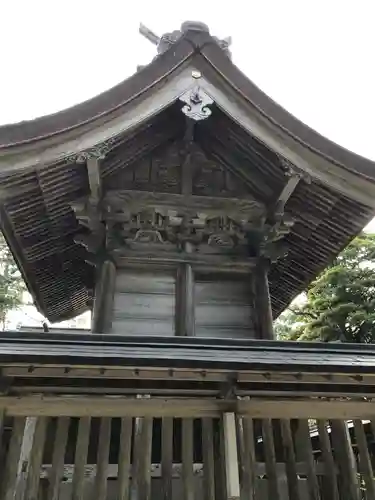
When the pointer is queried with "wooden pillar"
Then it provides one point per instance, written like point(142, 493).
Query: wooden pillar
point(103, 302)
point(262, 301)
point(185, 301)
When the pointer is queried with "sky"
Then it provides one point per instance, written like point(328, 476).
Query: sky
point(315, 58)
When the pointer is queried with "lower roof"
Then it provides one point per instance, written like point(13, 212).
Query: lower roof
point(183, 352)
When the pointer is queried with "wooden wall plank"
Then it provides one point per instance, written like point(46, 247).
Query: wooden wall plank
point(80, 460)
point(124, 458)
point(167, 457)
point(187, 458)
point(343, 453)
point(269, 451)
point(208, 459)
point(231, 456)
point(330, 479)
point(364, 458)
point(36, 459)
point(58, 458)
point(103, 458)
point(290, 459)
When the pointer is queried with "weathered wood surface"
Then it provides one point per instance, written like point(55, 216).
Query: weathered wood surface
point(247, 457)
point(344, 456)
point(330, 478)
point(144, 303)
point(58, 458)
point(365, 464)
point(238, 457)
point(262, 302)
point(119, 406)
point(270, 459)
point(188, 459)
point(223, 307)
point(290, 459)
point(208, 459)
point(231, 456)
point(81, 458)
point(124, 459)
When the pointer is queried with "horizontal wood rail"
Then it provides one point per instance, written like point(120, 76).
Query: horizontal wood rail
point(81, 406)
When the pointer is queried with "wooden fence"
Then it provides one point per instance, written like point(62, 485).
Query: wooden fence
point(167, 458)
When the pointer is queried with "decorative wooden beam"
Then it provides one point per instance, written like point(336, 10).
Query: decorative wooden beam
point(135, 201)
point(294, 176)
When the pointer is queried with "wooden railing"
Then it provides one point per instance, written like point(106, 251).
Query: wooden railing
point(167, 458)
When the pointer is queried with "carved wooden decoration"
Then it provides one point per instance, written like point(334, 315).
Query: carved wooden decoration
point(197, 104)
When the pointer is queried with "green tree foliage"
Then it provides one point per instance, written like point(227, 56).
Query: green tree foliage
point(11, 282)
point(340, 303)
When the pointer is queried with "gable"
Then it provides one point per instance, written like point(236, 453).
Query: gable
point(164, 171)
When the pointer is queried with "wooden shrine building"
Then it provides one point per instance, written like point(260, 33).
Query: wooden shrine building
point(186, 209)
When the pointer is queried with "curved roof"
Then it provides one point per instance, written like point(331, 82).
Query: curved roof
point(39, 184)
point(191, 43)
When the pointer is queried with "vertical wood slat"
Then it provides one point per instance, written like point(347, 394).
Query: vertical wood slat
point(2, 451)
point(58, 458)
point(13, 456)
point(208, 459)
point(248, 459)
point(343, 452)
point(364, 458)
point(24, 459)
point(36, 459)
point(167, 457)
point(231, 456)
point(124, 458)
point(103, 458)
point(187, 458)
point(329, 462)
point(143, 447)
point(81, 458)
point(306, 453)
point(219, 460)
point(269, 449)
point(290, 459)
